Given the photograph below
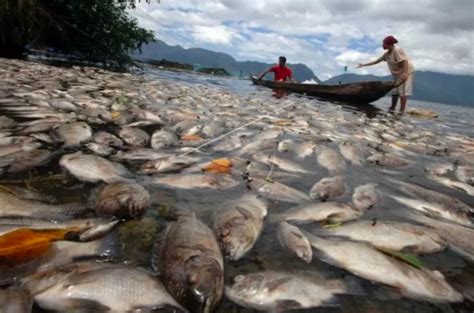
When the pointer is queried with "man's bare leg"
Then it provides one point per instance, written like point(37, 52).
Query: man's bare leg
point(394, 103)
point(403, 103)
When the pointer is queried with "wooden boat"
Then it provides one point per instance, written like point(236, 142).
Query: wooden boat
point(355, 93)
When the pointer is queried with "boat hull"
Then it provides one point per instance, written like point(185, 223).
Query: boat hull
point(355, 93)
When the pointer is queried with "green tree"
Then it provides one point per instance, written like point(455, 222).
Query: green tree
point(95, 30)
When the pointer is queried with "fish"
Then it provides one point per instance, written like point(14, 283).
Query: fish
point(27, 160)
point(434, 203)
point(276, 191)
point(328, 188)
point(134, 136)
point(213, 129)
point(107, 139)
point(12, 206)
point(191, 264)
point(388, 160)
point(101, 150)
point(304, 149)
point(92, 168)
point(73, 134)
point(238, 225)
point(6, 122)
point(195, 181)
point(263, 139)
point(330, 159)
point(364, 261)
point(453, 184)
point(292, 239)
point(353, 152)
point(465, 174)
point(139, 154)
point(17, 147)
point(439, 168)
point(277, 291)
point(285, 145)
point(459, 238)
point(333, 212)
point(284, 164)
point(389, 235)
point(122, 200)
point(15, 300)
point(365, 196)
point(163, 139)
point(100, 287)
point(166, 165)
point(59, 254)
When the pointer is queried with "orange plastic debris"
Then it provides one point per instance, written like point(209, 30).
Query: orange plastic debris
point(24, 244)
point(218, 166)
point(191, 138)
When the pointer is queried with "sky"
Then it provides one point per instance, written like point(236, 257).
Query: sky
point(326, 35)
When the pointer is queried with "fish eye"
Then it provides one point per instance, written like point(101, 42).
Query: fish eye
point(225, 232)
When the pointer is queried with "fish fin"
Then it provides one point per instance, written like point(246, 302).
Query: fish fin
point(431, 213)
point(333, 218)
point(86, 304)
point(156, 250)
point(159, 308)
point(286, 305)
point(245, 213)
point(277, 283)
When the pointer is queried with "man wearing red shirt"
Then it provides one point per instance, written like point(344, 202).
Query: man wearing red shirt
point(282, 73)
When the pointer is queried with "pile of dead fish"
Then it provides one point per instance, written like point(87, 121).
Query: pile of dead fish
point(315, 178)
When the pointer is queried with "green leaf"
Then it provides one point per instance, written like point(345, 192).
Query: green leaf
point(410, 259)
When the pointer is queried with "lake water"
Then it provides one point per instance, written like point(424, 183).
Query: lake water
point(267, 254)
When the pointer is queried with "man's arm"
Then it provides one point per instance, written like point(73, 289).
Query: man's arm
point(264, 73)
point(404, 75)
point(380, 59)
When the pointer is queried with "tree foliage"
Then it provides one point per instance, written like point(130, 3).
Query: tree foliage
point(96, 30)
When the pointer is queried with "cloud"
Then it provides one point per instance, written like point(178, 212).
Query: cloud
point(326, 35)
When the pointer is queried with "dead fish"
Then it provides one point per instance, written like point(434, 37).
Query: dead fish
point(435, 203)
point(107, 139)
point(166, 165)
point(304, 149)
point(100, 287)
point(267, 137)
point(278, 291)
point(365, 196)
point(134, 136)
point(92, 168)
point(385, 159)
point(284, 164)
point(40, 126)
point(453, 184)
point(141, 114)
point(27, 160)
point(333, 212)
point(15, 300)
point(99, 149)
point(73, 134)
point(276, 191)
point(328, 188)
point(63, 104)
point(238, 225)
point(465, 174)
point(292, 239)
point(459, 238)
point(439, 168)
point(42, 137)
point(123, 200)
point(14, 148)
point(11, 205)
point(353, 152)
point(366, 262)
point(137, 154)
point(59, 254)
point(26, 193)
point(330, 159)
point(163, 139)
point(285, 145)
point(193, 181)
point(389, 235)
point(6, 122)
point(191, 264)
point(213, 129)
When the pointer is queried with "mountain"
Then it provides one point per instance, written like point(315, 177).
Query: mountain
point(428, 86)
point(160, 50)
